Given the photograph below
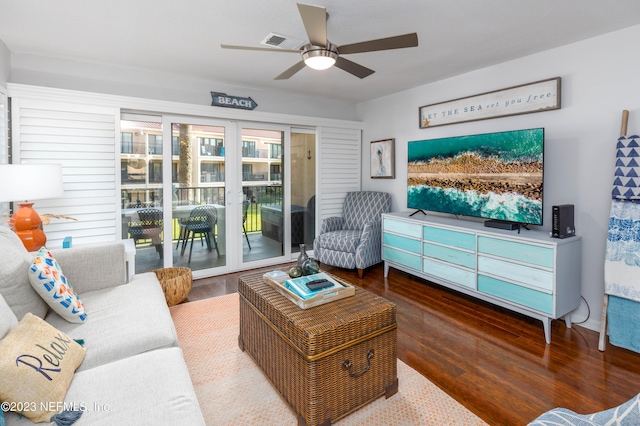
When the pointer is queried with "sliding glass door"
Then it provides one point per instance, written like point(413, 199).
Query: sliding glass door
point(198, 211)
point(214, 195)
point(263, 197)
point(141, 193)
point(303, 189)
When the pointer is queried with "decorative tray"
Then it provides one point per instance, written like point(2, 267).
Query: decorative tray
point(291, 288)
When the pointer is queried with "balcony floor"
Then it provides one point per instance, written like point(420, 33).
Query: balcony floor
point(147, 258)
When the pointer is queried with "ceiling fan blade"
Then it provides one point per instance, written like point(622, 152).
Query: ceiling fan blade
point(263, 49)
point(397, 42)
point(314, 19)
point(353, 68)
point(291, 71)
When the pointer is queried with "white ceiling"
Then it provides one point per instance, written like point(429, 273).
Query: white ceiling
point(184, 37)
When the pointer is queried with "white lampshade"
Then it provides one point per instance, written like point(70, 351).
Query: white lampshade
point(27, 182)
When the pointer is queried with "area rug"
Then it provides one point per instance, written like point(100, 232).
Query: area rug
point(232, 390)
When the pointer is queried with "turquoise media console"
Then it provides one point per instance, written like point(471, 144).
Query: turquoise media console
point(527, 272)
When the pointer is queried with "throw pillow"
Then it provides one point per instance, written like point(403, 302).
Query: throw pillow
point(49, 282)
point(37, 363)
point(8, 319)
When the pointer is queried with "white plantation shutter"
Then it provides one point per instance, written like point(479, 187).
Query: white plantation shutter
point(85, 141)
point(340, 167)
point(4, 149)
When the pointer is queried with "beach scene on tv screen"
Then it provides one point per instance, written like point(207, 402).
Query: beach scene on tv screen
point(494, 176)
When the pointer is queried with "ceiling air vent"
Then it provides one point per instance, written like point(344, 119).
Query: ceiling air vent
point(282, 41)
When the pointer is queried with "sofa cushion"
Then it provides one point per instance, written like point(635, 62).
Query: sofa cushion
point(8, 319)
point(125, 320)
point(14, 281)
point(153, 388)
point(49, 282)
point(37, 363)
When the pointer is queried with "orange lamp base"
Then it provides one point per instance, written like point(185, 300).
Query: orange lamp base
point(26, 223)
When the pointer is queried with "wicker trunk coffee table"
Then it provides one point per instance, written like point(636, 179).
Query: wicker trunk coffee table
point(326, 361)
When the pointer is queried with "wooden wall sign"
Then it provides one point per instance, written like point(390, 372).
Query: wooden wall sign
point(533, 97)
point(224, 100)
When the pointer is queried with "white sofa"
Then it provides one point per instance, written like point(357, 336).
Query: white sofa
point(133, 372)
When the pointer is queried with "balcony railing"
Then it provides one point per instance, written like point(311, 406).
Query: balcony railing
point(196, 195)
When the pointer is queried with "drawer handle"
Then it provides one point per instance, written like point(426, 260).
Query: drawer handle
point(347, 365)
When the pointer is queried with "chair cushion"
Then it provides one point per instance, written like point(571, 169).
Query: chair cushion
point(344, 240)
point(14, 279)
point(37, 363)
point(50, 283)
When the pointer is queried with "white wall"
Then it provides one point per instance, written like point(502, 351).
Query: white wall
point(600, 78)
point(88, 77)
point(5, 64)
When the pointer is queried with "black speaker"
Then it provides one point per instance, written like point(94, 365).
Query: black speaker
point(562, 221)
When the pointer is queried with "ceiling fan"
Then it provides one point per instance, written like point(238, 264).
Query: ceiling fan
point(320, 54)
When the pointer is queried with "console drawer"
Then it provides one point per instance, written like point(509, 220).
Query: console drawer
point(450, 273)
point(401, 257)
point(522, 295)
point(516, 272)
point(450, 237)
point(404, 243)
point(401, 227)
point(458, 257)
point(528, 253)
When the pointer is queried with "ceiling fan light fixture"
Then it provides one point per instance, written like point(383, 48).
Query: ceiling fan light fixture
point(319, 58)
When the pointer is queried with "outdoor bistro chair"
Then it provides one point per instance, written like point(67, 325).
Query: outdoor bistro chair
point(202, 221)
point(146, 224)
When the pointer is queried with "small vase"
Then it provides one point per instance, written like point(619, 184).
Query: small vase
point(310, 267)
point(302, 257)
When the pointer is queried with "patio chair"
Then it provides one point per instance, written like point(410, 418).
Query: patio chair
point(354, 240)
point(146, 224)
point(201, 221)
point(245, 211)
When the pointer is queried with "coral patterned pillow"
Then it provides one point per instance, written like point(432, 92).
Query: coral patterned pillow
point(48, 281)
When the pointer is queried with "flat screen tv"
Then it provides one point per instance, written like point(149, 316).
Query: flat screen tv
point(495, 176)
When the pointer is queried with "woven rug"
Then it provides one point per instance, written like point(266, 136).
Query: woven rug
point(232, 390)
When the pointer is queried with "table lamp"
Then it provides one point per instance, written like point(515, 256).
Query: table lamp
point(29, 182)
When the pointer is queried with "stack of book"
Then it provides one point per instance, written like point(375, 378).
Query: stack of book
point(310, 290)
point(309, 286)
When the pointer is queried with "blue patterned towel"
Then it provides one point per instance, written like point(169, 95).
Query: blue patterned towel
point(622, 258)
point(626, 185)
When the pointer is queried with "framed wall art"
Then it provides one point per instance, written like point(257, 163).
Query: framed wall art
point(383, 159)
point(524, 99)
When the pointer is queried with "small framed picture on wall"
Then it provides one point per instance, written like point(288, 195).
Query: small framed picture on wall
point(383, 159)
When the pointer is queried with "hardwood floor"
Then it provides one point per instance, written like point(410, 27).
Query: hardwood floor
point(493, 361)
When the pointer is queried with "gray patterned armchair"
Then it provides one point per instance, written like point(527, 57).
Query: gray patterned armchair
point(353, 241)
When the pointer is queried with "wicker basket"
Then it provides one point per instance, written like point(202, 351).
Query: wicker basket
point(326, 361)
point(175, 282)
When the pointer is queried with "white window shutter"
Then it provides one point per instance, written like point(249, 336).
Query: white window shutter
point(4, 149)
point(340, 167)
point(84, 140)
